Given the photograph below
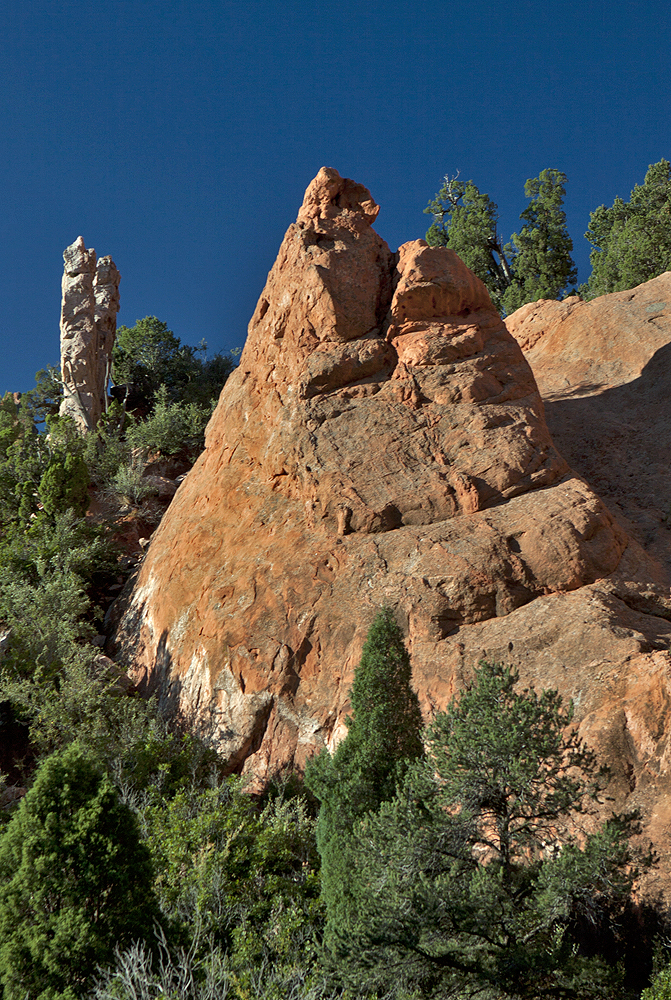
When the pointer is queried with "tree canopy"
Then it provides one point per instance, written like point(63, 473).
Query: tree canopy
point(478, 878)
point(149, 355)
point(384, 735)
point(537, 261)
point(632, 240)
point(75, 880)
point(541, 252)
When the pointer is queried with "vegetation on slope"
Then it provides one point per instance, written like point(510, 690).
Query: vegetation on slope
point(631, 240)
point(447, 861)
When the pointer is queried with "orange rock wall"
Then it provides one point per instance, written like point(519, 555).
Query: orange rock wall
point(384, 441)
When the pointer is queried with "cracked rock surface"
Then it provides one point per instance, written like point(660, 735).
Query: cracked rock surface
point(89, 307)
point(384, 441)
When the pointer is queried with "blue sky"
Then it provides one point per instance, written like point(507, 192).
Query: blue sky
point(179, 136)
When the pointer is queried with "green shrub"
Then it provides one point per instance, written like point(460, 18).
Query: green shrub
point(64, 486)
point(660, 988)
point(75, 881)
point(171, 428)
point(45, 621)
point(130, 486)
point(106, 450)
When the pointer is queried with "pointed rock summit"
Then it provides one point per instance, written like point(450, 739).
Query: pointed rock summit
point(89, 308)
point(383, 441)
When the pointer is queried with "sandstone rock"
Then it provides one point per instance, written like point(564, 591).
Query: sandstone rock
point(384, 441)
point(106, 291)
point(88, 328)
point(603, 370)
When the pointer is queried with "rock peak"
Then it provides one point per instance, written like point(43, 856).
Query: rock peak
point(330, 196)
point(89, 307)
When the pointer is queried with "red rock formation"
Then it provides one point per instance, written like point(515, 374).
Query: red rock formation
point(603, 371)
point(383, 440)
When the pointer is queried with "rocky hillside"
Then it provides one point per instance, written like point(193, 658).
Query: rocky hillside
point(384, 441)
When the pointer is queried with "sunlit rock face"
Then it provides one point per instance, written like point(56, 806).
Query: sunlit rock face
point(383, 441)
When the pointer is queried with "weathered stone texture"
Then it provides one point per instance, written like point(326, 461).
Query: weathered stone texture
point(603, 369)
point(88, 327)
point(383, 441)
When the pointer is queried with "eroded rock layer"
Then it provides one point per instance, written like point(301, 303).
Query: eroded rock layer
point(383, 441)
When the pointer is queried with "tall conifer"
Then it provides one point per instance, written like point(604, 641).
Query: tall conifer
point(366, 768)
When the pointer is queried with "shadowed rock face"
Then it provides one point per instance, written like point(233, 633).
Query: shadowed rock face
point(603, 369)
point(383, 441)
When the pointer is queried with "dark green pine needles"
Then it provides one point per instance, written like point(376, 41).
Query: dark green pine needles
point(384, 735)
point(75, 880)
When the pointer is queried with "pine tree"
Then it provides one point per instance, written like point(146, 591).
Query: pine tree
point(632, 240)
point(541, 251)
point(473, 883)
point(536, 264)
point(465, 220)
point(384, 735)
point(74, 881)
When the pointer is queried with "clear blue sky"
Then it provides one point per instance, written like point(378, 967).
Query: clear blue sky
point(179, 136)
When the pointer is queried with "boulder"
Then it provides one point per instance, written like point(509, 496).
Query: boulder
point(383, 441)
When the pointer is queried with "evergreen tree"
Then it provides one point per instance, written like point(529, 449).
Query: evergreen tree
point(149, 355)
point(536, 264)
point(465, 221)
point(474, 881)
point(660, 987)
point(541, 251)
point(64, 485)
point(384, 735)
point(74, 881)
point(632, 240)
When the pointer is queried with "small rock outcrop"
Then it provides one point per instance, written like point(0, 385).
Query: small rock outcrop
point(383, 441)
point(90, 304)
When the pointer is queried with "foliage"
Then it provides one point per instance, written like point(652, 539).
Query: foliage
point(10, 427)
point(247, 878)
point(24, 458)
point(632, 240)
point(465, 221)
point(139, 973)
point(44, 621)
point(536, 263)
point(84, 702)
point(171, 427)
point(149, 355)
point(383, 736)
point(74, 880)
point(660, 987)
point(45, 573)
point(475, 881)
point(203, 973)
point(129, 484)
point(64, 485)
point(106, 449)
point(541, 251)
point(45, 398)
